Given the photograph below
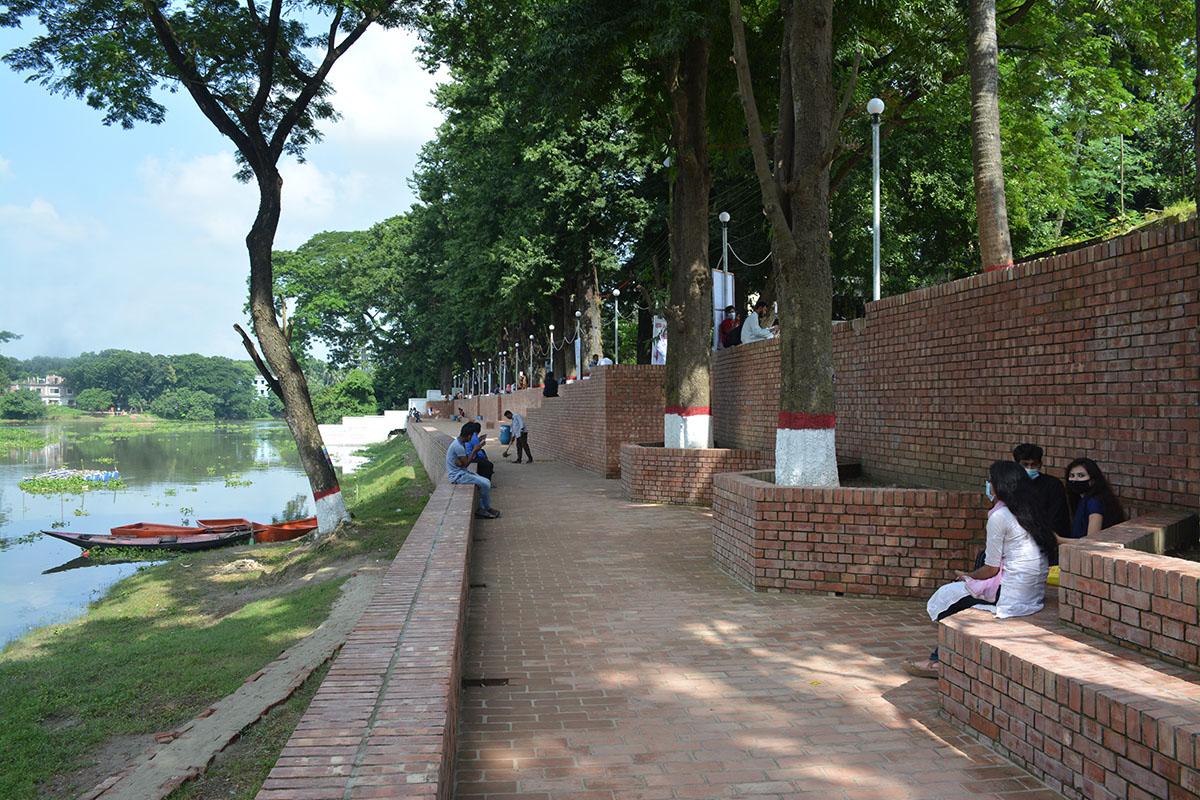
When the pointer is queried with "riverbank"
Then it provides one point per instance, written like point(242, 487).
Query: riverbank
point(80, 698)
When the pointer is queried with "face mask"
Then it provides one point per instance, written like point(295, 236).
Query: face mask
point(987, 491)
point(1031, 472)
point(1080, 487)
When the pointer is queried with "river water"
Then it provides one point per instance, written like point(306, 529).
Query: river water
point(172, 475)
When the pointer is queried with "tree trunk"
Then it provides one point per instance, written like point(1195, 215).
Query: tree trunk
point(797, 205)
point(645, 329)
point(592, 320)
point(687, 418)
point(991, 207)
point(293, 388)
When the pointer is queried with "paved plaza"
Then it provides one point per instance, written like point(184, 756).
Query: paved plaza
point(608, 658)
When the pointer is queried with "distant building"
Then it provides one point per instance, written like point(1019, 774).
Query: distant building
point(50, 389)
point(260, 386)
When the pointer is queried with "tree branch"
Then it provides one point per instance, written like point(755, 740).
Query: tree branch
point(772, 202)
point(197, 87)
point(272, 381)
point(1014, 17)
point(266, 65)
point(847, 97)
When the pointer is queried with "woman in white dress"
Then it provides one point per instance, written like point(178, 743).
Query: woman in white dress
point(1012, 580)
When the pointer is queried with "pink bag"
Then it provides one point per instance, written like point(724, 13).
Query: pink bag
point(987, 588)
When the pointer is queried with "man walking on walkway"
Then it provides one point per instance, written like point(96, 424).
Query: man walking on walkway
point(457, 460)
point(521, 434)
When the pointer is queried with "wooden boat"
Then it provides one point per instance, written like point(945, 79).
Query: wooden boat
point(188, 543)
point(284, 531)
point(140, 529)
point(225, 524)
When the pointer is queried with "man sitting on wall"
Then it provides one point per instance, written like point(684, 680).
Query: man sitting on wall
point(550, 386)
point(753, 329)
point(730, 331)
point(483, 465)
point(458, 457)
point(1051, 496)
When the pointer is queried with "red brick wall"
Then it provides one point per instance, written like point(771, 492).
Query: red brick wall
point(590, 420)
point(1140, 600)
point(870, 541)
point(675, 475)
point(1094, 352)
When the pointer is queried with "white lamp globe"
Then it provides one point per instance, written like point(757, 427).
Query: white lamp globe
point(724, 217)
point(875, 106)
point(616, 292)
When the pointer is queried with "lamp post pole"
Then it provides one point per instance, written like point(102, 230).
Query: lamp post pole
point(875, 108)
point(550, 355)
point(578, 347)
point(616, 322)
point(726, 298)
point(503, 362)
point(531, 359)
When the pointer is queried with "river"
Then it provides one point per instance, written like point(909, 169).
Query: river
point(172, 474)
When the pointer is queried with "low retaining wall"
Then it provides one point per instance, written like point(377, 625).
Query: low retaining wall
point(858, 541)
point(1116, 585)
point(657, 474)
point(383, 722)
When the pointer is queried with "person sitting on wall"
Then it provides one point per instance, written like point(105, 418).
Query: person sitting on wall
point(730, 330)
point(520, 435)
point(753, 329)
point(550, 386)
point(522, 382)
point(1094, 505)
point(483, 465)
point(1012, 580)
point(1052, 499)
point(604, 361)
point(458, 458)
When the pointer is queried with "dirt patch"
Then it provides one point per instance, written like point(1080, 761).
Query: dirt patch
point(115, 752)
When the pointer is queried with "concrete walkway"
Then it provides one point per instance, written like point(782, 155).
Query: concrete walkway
point(612, 660)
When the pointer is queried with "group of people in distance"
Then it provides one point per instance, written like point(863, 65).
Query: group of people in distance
point(467, 449)
point(756, 327)
point(1031, 516)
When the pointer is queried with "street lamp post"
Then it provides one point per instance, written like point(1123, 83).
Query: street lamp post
point(726, 299)
point(550, 355)
point(578, 346)
point(616, 321)
point(531, 359)
point(503, 362)
point(875, 108)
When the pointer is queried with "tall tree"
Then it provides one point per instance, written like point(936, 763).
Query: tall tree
point(795, 195)
point(247, 69)
point(991, 205)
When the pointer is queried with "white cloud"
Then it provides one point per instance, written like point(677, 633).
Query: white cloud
point(383, 94)
point(39, 227)
point(5, 167)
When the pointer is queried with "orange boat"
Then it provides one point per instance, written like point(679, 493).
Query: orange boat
point(225, 524)
point(146, 529)
point(284, 531)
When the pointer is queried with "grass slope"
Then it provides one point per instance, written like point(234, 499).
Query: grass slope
point(168, 641)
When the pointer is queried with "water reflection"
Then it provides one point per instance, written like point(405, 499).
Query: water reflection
point(170, 474)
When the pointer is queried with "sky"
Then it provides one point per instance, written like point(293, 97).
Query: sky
point(134, 239)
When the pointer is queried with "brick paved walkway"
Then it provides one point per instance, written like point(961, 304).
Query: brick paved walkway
point(636, 669)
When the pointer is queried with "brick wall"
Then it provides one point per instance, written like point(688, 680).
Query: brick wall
point(1093, 352)
point(1137, 599)
point(383, 722)
point(868, 541)
point(1089, 722)
point(656, 474)
point(590, 420)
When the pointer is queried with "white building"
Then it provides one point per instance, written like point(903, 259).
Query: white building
point(51, 390)
point(260, 386)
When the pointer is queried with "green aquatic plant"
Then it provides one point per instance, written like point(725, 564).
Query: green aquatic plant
point(70, 485)
point(169, 492)
point(106, 555)
point(234, 481)
point(21, 439)
point(28, 538)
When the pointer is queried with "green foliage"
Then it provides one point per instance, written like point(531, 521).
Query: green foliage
point(21, 404)
point(188, 404)
point(20, 439)
point(73, 485)
point(94, 399)
point(353, 395)
point(269, 407)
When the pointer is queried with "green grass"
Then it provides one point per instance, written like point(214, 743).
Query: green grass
point(168, 641)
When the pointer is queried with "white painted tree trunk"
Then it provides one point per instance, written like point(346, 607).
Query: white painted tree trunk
point(331, 511)
point(805, 457)
point(687, 428)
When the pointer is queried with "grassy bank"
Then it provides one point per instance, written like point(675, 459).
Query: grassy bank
point(168, 641)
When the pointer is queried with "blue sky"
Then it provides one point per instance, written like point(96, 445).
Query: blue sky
point(134, 239)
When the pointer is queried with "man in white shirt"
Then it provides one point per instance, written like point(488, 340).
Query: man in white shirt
point(752, 328)
point(520, 434)
point(604, 361)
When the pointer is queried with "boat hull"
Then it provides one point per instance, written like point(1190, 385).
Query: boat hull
point(284, 531)
point(187, 544)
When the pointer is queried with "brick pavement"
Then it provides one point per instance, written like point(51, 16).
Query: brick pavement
point(635, 669)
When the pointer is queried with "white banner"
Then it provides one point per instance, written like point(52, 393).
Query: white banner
point(658, 347)
point(578, 361)
point(722, 296)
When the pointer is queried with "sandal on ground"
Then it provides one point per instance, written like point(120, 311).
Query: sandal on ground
point(920, 668)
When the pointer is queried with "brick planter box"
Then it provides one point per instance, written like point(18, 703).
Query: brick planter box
point(1117, 586)
point(655, 474)
point(860, 541)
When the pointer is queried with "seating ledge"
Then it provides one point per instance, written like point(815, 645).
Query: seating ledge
point(1091, 718)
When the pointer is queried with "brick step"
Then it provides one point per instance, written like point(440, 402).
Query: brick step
point(1092, 719)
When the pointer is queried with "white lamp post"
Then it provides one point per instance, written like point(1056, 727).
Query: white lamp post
point(726, 300)
point(550, 355)
point(578, 346)
point(616, 321)
point(875, 108)
point(531, 359)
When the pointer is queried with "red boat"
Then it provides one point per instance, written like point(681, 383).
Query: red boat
point(225, 524)
point(284, 531)
point(144, 529)
point(199, 541)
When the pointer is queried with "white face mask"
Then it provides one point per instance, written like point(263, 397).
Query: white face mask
point(987, 491)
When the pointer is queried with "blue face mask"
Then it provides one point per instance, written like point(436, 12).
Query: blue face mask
point(987, 491)
point(1031, 472)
